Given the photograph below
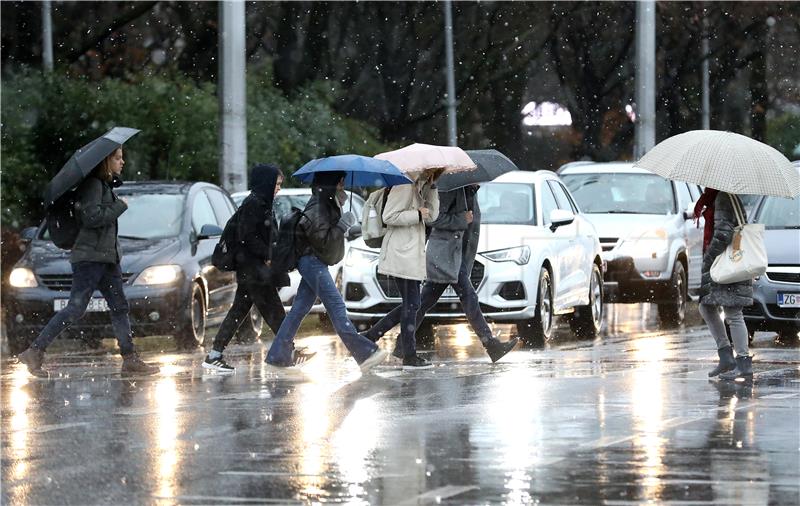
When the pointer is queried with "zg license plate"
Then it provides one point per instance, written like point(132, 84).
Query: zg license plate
point(96, 305)
point(789, 300)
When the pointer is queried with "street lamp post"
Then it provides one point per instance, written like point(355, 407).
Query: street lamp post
point(451, 78)
point(645, 77)
point(47, 37)
point(232, 96)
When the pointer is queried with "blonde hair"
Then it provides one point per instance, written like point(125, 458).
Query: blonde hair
point(103, 169)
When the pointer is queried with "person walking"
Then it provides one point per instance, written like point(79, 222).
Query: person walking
point(319, 245)
point(256, 282)
point(450, 256)
point(717, 208)
point(408, 209)
point(95, 260)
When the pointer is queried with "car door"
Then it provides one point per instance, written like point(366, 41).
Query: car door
point(558, 242)
point(216, 280)
point(224, 282)
point(574, 257)
point(693, 235)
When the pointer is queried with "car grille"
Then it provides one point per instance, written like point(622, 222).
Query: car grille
point(63, 282)
point(784, 277)
point(783, 312)
point(608, 243)
point(390, 290)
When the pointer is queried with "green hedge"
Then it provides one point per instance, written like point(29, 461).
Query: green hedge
point(44, 119)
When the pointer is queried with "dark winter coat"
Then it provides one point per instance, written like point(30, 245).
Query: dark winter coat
point(98, 208)
point(453, 242)
point(711, 293)
point(321, 236)
point(257, 230)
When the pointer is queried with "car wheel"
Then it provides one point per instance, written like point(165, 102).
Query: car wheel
point(426, 336)
point(192, 330)
point(93, 343)
point(672, 314)
point(536, 331)
point(250, 330)
point(789, 336)
point(587, 320)
point(325, 322)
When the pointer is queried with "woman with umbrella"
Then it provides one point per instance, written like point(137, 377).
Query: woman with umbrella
point(95, 260)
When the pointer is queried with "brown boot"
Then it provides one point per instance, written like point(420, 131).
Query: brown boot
point(33, 359)
point(132, 364)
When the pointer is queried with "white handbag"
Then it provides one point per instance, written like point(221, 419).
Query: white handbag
point(745, 257)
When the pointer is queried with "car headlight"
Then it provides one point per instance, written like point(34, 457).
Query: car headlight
point(22, 277)
point(159, 275)
point(647, 244)
point(519, 255)
point(357, 256)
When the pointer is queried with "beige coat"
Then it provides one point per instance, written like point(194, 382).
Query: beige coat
point(403, 248)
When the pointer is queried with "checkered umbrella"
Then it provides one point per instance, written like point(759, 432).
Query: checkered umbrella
point(725, 161)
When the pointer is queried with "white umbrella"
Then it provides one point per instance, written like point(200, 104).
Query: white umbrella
point(725, 161)
point(419, 157)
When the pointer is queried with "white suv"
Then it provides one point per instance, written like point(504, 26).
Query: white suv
point(537, 257)
point(652, 246)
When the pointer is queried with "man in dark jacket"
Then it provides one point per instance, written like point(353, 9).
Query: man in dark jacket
point(322, 244)
point(450, 256)
point(256, 283)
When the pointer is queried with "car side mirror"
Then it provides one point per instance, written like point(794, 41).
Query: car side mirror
point(208, 231)
point(28, 234)
point(354, 233)
point(559, 218)
point(688, 213)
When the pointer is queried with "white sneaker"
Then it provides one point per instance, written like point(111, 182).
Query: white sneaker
point(217, 365)
point(373, 360)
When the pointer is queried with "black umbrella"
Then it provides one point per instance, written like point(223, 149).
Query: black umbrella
point(491, 165)
point(83, 161)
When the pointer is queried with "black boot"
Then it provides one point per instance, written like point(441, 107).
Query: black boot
point(497, 349)
point(726, 362)
point(132, 364)
point(743, 369)
point(33, 359)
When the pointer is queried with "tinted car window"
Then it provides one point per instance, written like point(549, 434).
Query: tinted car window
point(222, 207)
point(202, 212)
point(779, 213)
point(152, 216)
point(549, 204)
point(507, 203)
point(621, 193)
point(561, 196)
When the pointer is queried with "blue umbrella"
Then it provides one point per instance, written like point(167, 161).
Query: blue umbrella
point(360, 171)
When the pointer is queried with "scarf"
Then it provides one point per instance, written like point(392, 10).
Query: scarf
point(705, 208)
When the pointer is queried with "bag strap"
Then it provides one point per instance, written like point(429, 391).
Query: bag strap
point(737, 209)
point(383, 207)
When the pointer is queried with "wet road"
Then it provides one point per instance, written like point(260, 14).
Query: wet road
point(627, 419)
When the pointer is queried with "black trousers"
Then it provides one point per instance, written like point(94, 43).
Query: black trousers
point(266, 299)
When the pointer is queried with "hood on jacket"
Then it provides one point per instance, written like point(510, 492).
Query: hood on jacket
point(263, 179)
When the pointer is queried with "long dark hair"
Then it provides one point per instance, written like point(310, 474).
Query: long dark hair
point(103, 170)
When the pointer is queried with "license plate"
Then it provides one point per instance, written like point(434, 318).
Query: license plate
point(449, 292)
point(95, 305)
point(789, 300)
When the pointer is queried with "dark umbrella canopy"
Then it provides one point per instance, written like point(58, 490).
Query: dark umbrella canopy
point(491, 165)
point(83, 161)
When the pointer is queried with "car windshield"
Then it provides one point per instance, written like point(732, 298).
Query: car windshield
point(779, 213)
point(151, 215)
point(621, 193)
point(507, 204)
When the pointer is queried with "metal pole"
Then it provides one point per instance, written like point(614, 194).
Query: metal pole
point(47, 37)
point(232, 96)
point(451, 74)
point(706, 98)
point(645, 77)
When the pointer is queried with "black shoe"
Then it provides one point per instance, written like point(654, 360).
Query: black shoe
point(218, 365)
point(742, 371)
point(398, 352)
point(416, 362)
point(33, 359)
point(497, 349)
point(726, 362)
point(132, 364)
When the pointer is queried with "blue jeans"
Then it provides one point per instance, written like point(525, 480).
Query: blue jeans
point(316, 282)
point(406, 314)
point(86, 278)
point(430, 296)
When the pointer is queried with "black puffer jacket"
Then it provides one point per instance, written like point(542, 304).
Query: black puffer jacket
point(257, 230)
point(733, 294)
point(98, 209)
point(321, 236)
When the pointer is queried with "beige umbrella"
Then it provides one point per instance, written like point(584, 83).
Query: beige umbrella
point(725, 161)
point(419, 157)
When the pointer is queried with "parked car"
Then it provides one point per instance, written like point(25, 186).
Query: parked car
point(167, 237)
point(776, 294)
point(538, 257)
point(285, 200)
point(653, 247)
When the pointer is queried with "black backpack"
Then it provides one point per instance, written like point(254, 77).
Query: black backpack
point(284, 254)
point(62, 221)
point(224, 256)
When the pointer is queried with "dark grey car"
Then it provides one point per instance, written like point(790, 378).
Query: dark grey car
point(776, 295)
